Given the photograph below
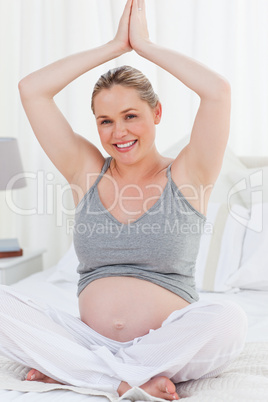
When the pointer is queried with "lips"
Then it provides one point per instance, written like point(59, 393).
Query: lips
point(125, 146)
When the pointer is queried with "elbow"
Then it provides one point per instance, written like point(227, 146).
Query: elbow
point(223, 91)
point(21, 86)
point(25, 89)
point(29, 88)
point(218, 90)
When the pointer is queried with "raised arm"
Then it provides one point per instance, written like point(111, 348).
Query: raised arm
point(204, 154)
point(71, 153)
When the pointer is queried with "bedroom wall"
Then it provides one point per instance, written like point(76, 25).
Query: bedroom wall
point(230, 36)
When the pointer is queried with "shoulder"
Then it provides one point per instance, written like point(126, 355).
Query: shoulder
point(195, 189)
point(84, 179)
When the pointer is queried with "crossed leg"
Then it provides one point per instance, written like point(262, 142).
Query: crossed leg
point(160, 387)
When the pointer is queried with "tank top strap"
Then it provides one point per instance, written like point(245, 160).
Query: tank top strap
point(104, 169)
point(168, 173)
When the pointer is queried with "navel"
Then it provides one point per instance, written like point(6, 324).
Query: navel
point(119, 324)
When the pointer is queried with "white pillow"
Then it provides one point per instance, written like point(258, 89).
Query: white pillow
point(250, 184)
point(253, 271)
point(220, 247)
point(65, 270)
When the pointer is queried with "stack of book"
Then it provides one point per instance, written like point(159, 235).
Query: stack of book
point(10, 248)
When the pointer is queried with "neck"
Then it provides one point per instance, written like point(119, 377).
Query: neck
point(144, 168)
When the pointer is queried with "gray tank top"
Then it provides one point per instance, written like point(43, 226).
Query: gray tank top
point(161, 246)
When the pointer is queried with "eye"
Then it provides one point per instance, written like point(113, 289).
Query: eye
point(106, 122)
point(130, 116)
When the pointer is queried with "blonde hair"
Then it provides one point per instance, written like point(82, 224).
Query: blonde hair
point(128, 77)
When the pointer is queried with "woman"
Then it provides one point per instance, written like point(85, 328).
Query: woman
point(141, 321)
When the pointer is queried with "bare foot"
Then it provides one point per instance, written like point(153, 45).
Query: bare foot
point(35, 375)
point(160, 387)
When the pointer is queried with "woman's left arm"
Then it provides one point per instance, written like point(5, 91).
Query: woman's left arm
point(204, 153)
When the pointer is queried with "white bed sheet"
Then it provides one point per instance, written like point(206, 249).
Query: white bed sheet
point(63, 296)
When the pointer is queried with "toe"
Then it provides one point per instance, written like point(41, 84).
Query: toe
point(30, 375)
point(35, 375)
point(166, 385)
point(168, 388)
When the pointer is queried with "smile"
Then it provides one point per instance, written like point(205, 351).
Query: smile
point(126, 145)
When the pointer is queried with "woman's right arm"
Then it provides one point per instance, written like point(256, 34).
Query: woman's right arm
point(69, 152)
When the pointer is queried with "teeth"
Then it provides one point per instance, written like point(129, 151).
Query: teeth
point(128, 144)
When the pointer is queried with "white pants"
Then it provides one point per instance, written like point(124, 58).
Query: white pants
point(197, 341)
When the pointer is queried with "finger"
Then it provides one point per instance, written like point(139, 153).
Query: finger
point(127, 8)
point(127, 11)
point(143, 6)
point(139, 6)
point(136, 5)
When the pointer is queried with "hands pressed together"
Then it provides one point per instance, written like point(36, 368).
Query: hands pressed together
point(132, 30)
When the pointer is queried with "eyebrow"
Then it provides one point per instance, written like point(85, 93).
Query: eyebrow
point(123, 111)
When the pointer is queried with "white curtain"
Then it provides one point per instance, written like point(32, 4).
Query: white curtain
point(230, 36)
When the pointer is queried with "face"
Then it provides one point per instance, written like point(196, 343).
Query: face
point(126, 124)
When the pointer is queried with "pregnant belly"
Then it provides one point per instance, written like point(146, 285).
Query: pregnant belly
point(124, 308)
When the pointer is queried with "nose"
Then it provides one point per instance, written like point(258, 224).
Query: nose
point(119, 130)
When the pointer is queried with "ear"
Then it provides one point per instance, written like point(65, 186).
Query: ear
point(157, 113)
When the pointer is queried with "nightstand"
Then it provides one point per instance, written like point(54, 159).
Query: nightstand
point(14, 269)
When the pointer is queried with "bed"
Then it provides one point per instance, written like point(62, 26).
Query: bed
point(233, 265)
